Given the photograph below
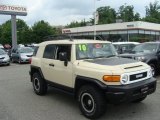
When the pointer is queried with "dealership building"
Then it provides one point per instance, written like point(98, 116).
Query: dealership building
point(127, 31)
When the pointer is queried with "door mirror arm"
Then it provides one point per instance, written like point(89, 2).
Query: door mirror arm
point(63, 57)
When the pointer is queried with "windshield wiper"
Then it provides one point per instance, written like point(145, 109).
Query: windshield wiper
point(105, 56)
point(100, 57)
point(85, 58)
point(110, 56)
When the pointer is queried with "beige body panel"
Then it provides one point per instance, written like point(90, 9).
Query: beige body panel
point(58, 73)
point(66, 75)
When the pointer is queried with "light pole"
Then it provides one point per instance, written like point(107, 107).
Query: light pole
point(94, 19)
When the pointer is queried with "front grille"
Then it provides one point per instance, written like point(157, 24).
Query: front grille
point(138, 76)
point(2, 58)
point(29, 55)
point(130, 57)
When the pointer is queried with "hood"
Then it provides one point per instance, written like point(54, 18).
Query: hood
point(3, 56)
point(113, 64)
point(25, 54)
point(112, 61)
point(135, 55)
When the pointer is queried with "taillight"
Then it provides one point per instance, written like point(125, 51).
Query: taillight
point(30, 60)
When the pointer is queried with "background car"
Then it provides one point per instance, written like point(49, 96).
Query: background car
point(4, 58)
point(149, 53)
point(1, 46)
point(124, 47)
point(22, 55)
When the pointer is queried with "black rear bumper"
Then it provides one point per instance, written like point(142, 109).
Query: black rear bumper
point(131, 92)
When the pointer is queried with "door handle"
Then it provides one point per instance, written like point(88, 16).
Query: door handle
point(52, 65)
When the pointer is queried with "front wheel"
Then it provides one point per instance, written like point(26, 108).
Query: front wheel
point(91, 102)
point(39, 84)
point(19, 61)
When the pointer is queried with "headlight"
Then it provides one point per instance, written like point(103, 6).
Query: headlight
point(23, 56)
point(150, 74)
point(140, 58)
point(124, 79)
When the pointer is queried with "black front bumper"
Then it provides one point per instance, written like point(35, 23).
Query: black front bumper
point(131, 92)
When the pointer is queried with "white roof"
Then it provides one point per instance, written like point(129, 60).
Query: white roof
point(75, 41)
point(120, 43)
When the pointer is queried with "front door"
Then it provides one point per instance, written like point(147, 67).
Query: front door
point(54, 70)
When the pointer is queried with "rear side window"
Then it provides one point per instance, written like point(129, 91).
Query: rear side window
point(49, 52)
point(35, 51)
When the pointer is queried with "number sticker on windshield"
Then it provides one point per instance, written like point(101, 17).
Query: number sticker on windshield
point(83, 47)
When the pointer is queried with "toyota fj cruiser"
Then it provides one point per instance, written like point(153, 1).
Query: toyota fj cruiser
point(91, 71)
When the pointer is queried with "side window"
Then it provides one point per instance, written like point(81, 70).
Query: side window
point(49, 52)
point(35, 50)
point(64, 48)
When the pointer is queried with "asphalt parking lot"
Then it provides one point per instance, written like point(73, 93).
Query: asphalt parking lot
point(19, 102)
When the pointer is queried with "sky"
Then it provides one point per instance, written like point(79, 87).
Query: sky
point(62, 12)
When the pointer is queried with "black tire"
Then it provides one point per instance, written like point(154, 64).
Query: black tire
point(91, 102)
point(154, 69)
point(19, 61)
point(12, 60)
point(139, 100)
point(39, 84)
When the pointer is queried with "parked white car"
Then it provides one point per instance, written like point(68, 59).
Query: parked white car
point(1, 46)
point(124, 47)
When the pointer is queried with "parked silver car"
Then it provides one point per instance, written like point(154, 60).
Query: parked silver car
point(4, 58)
point(22, 55)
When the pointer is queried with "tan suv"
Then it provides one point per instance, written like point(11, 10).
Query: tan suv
point(91, 71)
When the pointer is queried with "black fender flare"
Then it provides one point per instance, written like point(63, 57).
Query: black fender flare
point(34, 69)
point(81, 80)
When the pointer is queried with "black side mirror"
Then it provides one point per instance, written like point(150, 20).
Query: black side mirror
point(63, 57)
point(158, 52)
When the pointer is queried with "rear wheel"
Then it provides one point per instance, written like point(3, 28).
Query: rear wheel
point(91, 102)
point(39, 84)
point(12, 60)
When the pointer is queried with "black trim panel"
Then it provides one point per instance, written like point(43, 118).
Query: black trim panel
point(61, 87)
point(131, 92)
point(37, 68)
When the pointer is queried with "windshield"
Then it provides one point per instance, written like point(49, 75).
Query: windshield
point(2, 52)
point(146, 48)
point(26, 50)
point(94, 50)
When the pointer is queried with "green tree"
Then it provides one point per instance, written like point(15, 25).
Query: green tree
point(0, 33)
point(40, 30)
point(76, 24)
point(126, 13)
point(153, 12)
point(137, 17)
point(23, 32)
point(6, 32)
point(106, 15)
